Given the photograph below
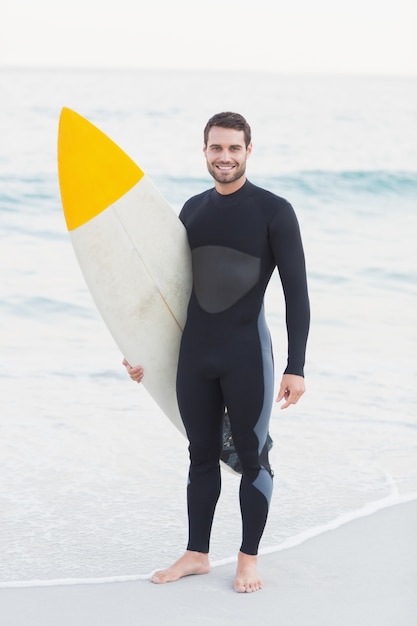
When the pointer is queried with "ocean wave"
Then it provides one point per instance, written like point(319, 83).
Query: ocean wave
point(374, 182)
point(29, 192)
point(43, 308)
point(332, 186)
point(397, 280)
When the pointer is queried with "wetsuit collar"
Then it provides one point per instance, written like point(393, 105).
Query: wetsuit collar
point(220, 199)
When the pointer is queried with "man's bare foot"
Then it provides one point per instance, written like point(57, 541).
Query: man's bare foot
point(190, 563)
point(247, 578)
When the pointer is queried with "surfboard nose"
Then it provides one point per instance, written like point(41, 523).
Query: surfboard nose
point(93, 171)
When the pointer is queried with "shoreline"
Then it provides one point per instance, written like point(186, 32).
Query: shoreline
point(368, 509)
point(363, 573)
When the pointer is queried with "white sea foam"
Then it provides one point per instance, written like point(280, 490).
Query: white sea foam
point(369, 509)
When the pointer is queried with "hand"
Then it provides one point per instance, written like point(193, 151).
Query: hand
point(291, 389)
point(135, 373)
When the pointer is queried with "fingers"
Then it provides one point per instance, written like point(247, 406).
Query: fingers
point(290, 398)
point(291, 389)
point(285, 394)
point(136, 373)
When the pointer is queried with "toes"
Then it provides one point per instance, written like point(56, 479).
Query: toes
point(241, 587)
point(159, 578)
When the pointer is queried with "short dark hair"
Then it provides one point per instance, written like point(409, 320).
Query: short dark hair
point(227, 119)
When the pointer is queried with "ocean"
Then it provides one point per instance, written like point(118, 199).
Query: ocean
point(93, 476)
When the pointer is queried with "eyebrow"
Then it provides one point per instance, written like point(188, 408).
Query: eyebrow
point(218, 145)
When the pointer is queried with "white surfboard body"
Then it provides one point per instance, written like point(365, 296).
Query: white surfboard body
point(133, 252)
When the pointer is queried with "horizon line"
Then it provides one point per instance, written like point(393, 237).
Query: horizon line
point(297, 73)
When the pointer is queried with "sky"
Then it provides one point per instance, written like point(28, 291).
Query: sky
point(295, 36)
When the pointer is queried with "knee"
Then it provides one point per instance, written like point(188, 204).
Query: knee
point(250, 464)
point(204, 458)
point(252, 460)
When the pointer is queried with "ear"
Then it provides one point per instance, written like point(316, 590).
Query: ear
point(205, 148)
point(249, 150)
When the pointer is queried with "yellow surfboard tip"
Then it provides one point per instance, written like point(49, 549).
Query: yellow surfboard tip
point(93, 171)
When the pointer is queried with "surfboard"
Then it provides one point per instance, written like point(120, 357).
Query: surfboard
point(133, 252)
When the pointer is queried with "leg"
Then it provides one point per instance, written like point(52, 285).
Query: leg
point(202, 411)
point(248, 390)
point(201, 405)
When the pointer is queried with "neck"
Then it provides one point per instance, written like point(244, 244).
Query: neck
point(226, 189)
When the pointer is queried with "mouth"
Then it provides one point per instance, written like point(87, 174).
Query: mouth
point(225, 168)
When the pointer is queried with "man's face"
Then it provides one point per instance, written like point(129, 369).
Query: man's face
point(226, 155)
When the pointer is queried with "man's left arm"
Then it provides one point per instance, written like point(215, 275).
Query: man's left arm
point(289, 256)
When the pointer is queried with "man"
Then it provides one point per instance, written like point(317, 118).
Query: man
point(238, 233)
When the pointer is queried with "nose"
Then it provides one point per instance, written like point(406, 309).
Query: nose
point(225, 155)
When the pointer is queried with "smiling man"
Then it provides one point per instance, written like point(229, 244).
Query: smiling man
point(226, 153)
point(238, 233)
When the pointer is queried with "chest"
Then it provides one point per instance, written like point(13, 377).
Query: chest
point(240, 226)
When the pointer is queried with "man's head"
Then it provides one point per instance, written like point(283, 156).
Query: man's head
point(227, 146)
point(228, 119)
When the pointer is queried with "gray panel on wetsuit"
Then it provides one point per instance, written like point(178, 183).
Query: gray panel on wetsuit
point(222, 276)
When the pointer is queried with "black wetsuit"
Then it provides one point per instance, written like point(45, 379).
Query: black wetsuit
point(226, 357)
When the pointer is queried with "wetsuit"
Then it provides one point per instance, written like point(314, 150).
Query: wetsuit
point(226, 360)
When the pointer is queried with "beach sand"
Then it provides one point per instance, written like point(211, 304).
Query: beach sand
point(364, 573)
